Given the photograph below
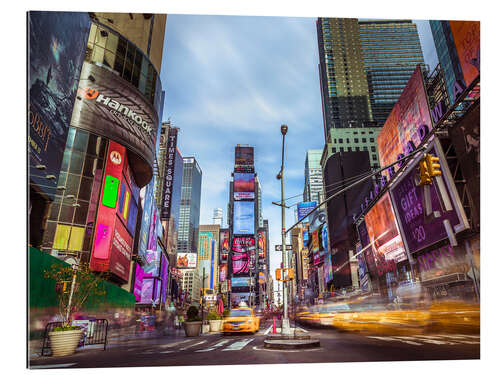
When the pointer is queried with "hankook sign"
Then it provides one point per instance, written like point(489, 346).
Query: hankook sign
point(110, 106)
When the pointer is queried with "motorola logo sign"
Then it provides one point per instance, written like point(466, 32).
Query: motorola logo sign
point(118, 109)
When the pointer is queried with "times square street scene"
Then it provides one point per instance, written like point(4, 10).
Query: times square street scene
point(228, 190)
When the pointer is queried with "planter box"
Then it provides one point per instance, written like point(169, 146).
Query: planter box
point(64, 342)
point(192, 328)
point(205, 328)
point(215, 325)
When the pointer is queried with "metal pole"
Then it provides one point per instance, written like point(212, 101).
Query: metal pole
point(285, 324)
point(202, 296)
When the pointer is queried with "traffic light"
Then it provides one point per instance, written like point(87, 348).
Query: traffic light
point(278, 274)
point(433, 166)
point(425, 176)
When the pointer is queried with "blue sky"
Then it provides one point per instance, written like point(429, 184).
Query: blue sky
point(236, 79)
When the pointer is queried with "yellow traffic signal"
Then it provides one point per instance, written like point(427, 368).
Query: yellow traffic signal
point(290, 274)
point(425, 176)
point(278, 274)
point(433, 165)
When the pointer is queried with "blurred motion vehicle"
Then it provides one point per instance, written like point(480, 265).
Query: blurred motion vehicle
point(455, 316)
point(241, 319)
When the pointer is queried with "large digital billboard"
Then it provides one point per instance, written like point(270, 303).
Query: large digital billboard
point(262, 243)
point(56, 50)
point(186, 260)
point(110, 106)
point(244, 219)
point(405, 124)
point(466, 36)
point(222, 272)
point(244, 186)
point(423, 227)
point(243, 254)
point(387, 244)
point(224, 244)
point(304, 208)
point(121, 251)
point(243, 156)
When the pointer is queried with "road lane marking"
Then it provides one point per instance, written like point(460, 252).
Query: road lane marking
point(175, 343)
point(195, 344)
point(53, 366)
point(238, 345)
point(394, 339)
point(269, 329)
point(220, 343)
point(167, 351)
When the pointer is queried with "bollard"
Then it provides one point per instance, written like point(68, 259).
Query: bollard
point(274, 324)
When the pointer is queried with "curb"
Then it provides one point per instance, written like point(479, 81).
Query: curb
point(291, 344)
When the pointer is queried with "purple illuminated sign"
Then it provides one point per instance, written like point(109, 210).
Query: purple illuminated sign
point(428, 213)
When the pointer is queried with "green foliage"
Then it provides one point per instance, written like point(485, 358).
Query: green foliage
point(192, 314)
point(225, 313)
point(213, 316)
point(86, 284)
point(66, 328)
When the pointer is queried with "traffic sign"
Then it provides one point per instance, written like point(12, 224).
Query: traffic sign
point(279, 247)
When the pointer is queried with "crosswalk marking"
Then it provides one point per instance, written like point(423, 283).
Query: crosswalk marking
point(219, 344)
point(195, 344)
point(238, 345)
point(435, 339)
point(394, 339)
point(267, 330)
point(175, 343)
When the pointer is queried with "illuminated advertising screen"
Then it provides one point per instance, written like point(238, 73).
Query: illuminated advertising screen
point(112, 107)
point(152, 265)
point(186, 260)
point(419, 228)
point(222, 272)
point(317, 219)
point(383, 233)
point(262, 243)
point(139, 275)
point(327, 269)
point(224, 244)
point(121, 252)
point(244, 186)
point(236, 298)
point(56, 50)
point(240, 281)
point(466, 36)
point(170, 158)
point(244, 219)
point(408, 115)
point(243, 156)
point(304, 208)
point(243, 251)
point(147, 204)
point(324, 238)
point(164, 276)
point(147, 290)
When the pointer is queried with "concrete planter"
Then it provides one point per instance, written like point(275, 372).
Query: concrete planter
point(205, 328)
point(215, 325)
point(64, 342)
point(192, 328)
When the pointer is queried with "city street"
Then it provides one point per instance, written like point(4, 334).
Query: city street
point(216, 349)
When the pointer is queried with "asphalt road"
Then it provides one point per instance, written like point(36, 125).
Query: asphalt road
point(216, 349)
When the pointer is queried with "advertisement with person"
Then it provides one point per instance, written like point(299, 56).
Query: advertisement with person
point(242, 250)
point(112, 107)
point(56, 49)
point(222, 272)
point(466, 35)
point(426, 218)
point(244, 219)
point(224, 245)
point(304, 208)
point(408, 116)
point(244, 186)
point(236, 298)
point(385, 239)
point(317, 219)
point(261, 243)
point(243, 156)
point(147, 203)
point(186, 260)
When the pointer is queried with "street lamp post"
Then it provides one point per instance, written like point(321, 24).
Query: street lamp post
point(285, 324)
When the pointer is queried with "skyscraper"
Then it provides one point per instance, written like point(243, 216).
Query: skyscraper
point(313, 176)
point(391, 51)
point(189, 217)
point(217, 218)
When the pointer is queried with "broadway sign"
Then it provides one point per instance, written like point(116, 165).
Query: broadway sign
point(169, 173)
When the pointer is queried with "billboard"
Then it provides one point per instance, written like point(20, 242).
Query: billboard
point(327, 269)
point(423, 227)
point(164, 277)
point(317, 219)
point(186, 260)
point(241, 282)
point(466, 35)
point(243, 156)
point(236, 298)
point(222, 273)
point(56, 50)
point(139, 275)
point(304, 208)
point(170, 157)
point(383, 234)
point(244, 186)
point(305, 234)
point(243, 254)
point(406, 123)
point(244, 219)
point(224, 244)
point(110, 106)
point(121, 252)
point(262, 243)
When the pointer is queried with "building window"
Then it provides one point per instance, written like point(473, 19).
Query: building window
point(341, 140)
point(363, 140)
point(374, 157)
point(372, 140)
point(334, 149)
point(373, 148)
point(356, 140)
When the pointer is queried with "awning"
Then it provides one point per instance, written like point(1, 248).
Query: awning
point(446, 279)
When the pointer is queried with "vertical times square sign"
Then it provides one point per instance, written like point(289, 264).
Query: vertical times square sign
point(169, 173)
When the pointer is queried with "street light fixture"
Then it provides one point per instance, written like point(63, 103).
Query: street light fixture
point(285, 323)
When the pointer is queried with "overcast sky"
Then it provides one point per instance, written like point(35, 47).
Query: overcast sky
point(236, 79)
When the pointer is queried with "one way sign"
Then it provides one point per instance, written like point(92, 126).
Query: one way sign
point(280, 248)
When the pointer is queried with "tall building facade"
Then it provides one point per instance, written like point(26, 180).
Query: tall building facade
point(391, 51)
point(189, 211)
point(217, 218)
point(107, 159)
point(313, 177)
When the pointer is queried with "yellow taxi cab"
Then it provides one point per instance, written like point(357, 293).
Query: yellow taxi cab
point(455, 316)
point(241, 319)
